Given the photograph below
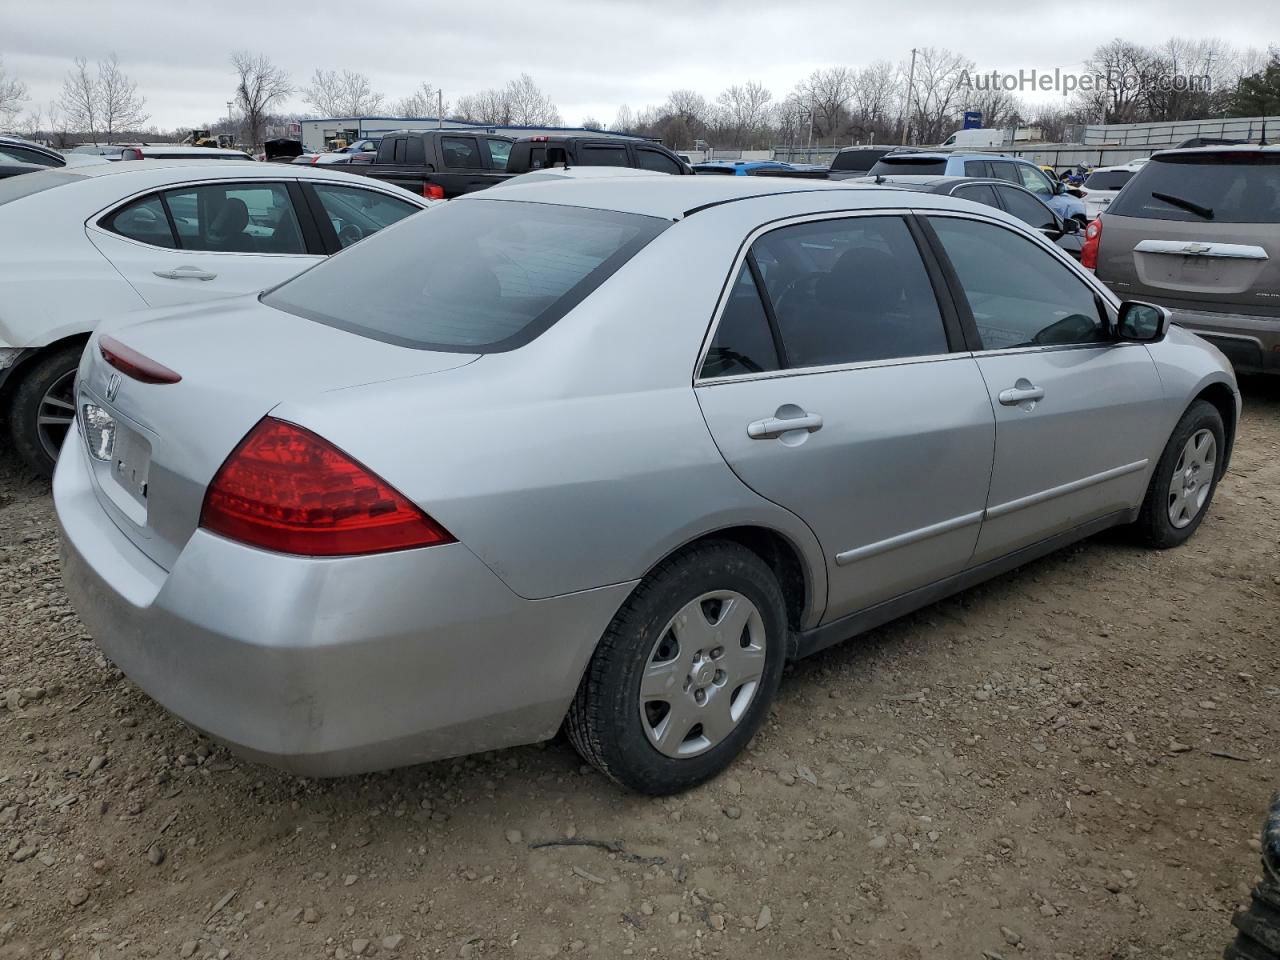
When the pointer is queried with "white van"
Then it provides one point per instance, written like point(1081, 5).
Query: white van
point(993, 137)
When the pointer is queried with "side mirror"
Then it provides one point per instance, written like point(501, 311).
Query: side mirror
point(1070, 225)
point(1059, 188)
point(1143, 322)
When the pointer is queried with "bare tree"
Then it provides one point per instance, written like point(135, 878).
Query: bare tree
point(259, 85)
point(120, 107)
point(425, 101)
point(345, 94)
point(998, 106)
point(827, 94)
point(591, 123)
point(487, 106)
point(745, 113)
point(32, 124)
point(79, 100)
point(874, 105)
point(936, 96)
point(624, 120)
point(528, 106)
point(13, 94)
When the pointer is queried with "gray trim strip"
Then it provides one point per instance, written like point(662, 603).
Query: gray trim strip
point(1001, 509)
point(906, 539)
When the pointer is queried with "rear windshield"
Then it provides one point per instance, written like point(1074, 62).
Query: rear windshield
point(708, 168)
point(889, 166)
point(1227, 188)
point(471, 276)
point(1108, 179)
point(856, 159)
point(15, 188)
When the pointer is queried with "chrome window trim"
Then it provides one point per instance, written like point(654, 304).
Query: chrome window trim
point(722, 303)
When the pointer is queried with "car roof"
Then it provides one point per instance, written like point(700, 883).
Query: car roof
point(945, 154)
point(673, 198)
point(1236, 148)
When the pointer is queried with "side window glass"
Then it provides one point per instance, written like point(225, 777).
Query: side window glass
point(1028, 209)
point(743, 342)
point(415, 153)
point(236, 218)
point(355, 214)
point(658, 162)
point(1034, 179)
point(1020, 295)
point(499, 153)
point(144, 221)
point(598, 155)
point(1004, 170)
point(977, 168)
point(978, 193)
point(400, 149)
point(460, 152)
point(850, 291)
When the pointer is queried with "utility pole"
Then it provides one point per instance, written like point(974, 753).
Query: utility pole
point(439, 108)
point(911, 89)
point(812, 111)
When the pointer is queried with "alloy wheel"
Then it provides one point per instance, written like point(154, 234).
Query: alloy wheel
point(57, 410)
point(1192, 478)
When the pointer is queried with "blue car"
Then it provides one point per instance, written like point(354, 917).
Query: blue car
point(988, 166)
point(739, 168)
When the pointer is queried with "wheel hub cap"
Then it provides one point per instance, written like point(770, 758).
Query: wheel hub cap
point(1192, 478)
point(702, 673)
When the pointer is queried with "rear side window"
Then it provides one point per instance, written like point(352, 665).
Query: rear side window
point(460, 152)
point(473, 276)
point(977, 168)
point(850, 291)
point(743, 342)
point(1108, 179)
point(1225, 188)
point(1004, 170)
point(499, 153)
point(236, 218)
point(978, 193)
point(355, 214)
point(655, 161)
point(909, 165)
point(415, 151)
point(143, 220)
point(599, 155)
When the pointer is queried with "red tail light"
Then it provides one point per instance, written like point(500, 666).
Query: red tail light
point(286, 489)
point(1092, 238)
point(433, 191)
point(133, 364)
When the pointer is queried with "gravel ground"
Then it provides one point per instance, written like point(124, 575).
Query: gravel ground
point(1068, 762)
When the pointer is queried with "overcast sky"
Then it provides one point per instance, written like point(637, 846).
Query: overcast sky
point(590, 55)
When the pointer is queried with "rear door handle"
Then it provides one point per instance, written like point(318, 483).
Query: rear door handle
point(777, 426)
point(1023, 391)
point(187, 272)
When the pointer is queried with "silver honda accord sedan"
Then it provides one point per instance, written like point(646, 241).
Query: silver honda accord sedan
point(603, 455)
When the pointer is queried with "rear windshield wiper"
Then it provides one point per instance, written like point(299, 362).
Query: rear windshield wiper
point(1189, 205)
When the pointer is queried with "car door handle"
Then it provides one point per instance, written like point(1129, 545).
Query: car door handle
point(777, 426)
point(1021, 393)
point(185, 273)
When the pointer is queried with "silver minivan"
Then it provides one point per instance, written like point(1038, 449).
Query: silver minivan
point(1198, 231)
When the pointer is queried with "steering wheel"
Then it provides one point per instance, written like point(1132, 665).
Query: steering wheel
point(349, 234)
point(806, 284)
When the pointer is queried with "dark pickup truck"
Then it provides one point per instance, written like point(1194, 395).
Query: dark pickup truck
point(541, 152)
point(439, 164)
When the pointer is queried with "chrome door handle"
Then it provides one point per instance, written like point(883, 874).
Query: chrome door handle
point(185, 273)
point(777, 426)
point(1020, 394)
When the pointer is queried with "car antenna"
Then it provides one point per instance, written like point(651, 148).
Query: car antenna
point(1262, 140)
point(879, 178)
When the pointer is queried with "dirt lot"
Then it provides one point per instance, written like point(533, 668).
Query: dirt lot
point(1070, 761)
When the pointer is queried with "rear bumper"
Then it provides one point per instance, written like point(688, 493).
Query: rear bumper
point(327, 667)
point(1252, 344)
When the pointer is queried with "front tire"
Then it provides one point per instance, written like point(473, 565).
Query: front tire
point(1185, 478)
point(43, 407)
point(685, 673)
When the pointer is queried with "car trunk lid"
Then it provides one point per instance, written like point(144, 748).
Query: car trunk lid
point(237, 360)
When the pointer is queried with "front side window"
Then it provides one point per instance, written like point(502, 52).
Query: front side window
point(499, 153)
point(743, 342)
point(473, 276)
point(655, 161)
point(236, 218)
point(1027, 208)
point(355, 213)
point(460, 152)
point(599, 155)
point(1019, 294)
point(850, 291)
point(1034, 179)
point(143, 220)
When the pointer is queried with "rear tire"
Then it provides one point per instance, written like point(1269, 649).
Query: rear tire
point(1172, 511)
point(44, 391)
point(684, 675)
point(1259, 926)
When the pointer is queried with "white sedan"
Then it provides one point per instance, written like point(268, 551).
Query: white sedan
point(80, 243)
